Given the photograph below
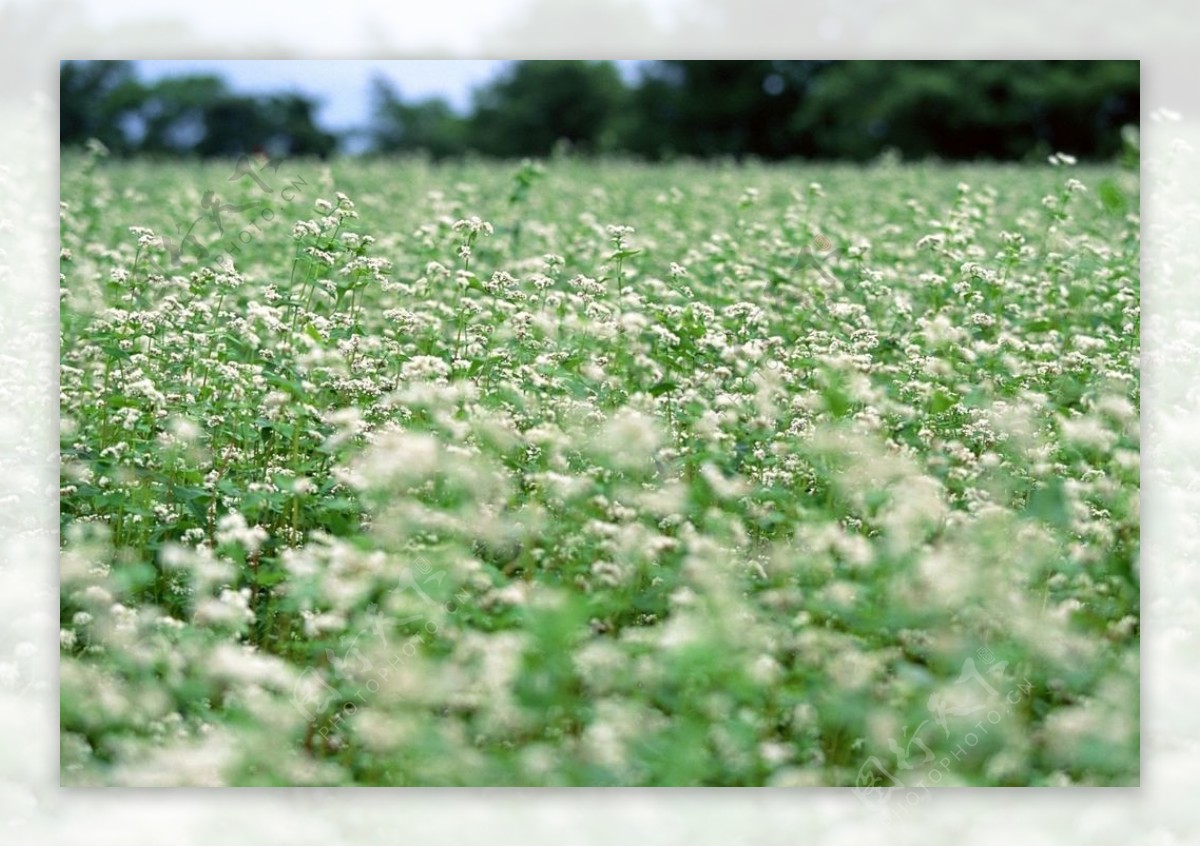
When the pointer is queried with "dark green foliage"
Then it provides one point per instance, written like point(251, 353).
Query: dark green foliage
point(857, 110)
point(190, 115)
point(400, 127)
point(536, 105)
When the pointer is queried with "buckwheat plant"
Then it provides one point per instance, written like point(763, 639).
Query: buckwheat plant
point(440, 487)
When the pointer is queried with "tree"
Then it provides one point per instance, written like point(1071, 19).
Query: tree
point(198, 115)
point(715, 108)
point(97, 100)
point(537, 104)
point(429, 125)
point(768, 109)
point(968, 109)
point(291, 129)
point(188, 115)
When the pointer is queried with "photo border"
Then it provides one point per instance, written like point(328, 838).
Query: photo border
point(36, 34)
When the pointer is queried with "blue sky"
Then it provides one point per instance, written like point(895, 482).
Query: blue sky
point(343, 87)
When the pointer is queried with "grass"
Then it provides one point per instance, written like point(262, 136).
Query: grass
point(598, 473)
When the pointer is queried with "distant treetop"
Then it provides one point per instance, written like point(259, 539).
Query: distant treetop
point(852, 110)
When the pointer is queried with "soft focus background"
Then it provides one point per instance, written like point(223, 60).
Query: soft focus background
point(34, 36)
point(856, 110)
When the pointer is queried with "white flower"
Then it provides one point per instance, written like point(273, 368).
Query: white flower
point(724, 487)
point(513, 594)
point(231, 608)
point(629, 439)
point(318, 624)
point(940, 331)
point(94, 595)
point(399, 458)
point(424, 368)
point(1088, 432)
point(608, 573)
point(473, 226)
point(306, 229)
point(232, 528)
point(184, 429)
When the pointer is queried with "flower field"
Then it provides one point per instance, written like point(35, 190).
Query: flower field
point(386, 472)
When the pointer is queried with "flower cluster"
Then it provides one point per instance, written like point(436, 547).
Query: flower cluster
point(446, 490)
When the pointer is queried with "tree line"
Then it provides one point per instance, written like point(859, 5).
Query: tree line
point(853, 110)
point(192, 115)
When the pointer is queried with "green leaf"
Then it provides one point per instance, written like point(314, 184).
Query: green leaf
point(1112, 198)
point(941, 401)
point(187, 493)
point(1048, 503)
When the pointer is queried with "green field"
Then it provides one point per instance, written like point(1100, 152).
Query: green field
point(597, 473)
